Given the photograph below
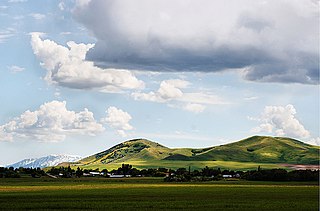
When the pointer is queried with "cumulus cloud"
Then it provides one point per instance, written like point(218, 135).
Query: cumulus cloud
point(173, 90)
point(52, 122)
point(118, 119)
point(66, 66)
point(273, 41)
point(168, 90)
point(282, 121)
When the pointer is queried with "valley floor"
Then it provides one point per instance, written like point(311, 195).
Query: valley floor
point(154, 194)
point(175, 164)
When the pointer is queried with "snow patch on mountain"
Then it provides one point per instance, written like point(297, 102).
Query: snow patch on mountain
point(50, 160)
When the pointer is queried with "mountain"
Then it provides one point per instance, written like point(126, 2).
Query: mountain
point(255, 150)
point(51, 160)
point(137, 149)
point(265, 150)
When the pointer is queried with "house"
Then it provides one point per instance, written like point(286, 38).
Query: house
point(118, 175)
point(94, 173)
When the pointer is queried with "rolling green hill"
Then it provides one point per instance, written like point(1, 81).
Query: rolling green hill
point(265, 150)
point(244, 154)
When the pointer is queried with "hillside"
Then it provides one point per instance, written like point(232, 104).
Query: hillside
point(264, 150)
point(254, 150)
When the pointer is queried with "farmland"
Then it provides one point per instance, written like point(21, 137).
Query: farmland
point(153, 193)
point(142, 164)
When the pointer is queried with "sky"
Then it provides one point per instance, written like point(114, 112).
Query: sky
point(80, 76)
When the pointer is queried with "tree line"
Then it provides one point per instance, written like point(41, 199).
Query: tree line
point(169, 175)
point(10, 172)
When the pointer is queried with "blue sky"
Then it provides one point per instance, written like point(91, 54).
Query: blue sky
point(78, 77)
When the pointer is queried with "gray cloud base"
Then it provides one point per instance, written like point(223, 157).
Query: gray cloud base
point(273, 41)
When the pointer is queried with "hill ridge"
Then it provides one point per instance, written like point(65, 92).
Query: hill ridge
point(257, 149)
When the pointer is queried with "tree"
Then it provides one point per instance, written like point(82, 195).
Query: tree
point(79, 172)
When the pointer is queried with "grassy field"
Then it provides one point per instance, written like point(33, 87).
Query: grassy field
point(142, 164)
point(152, 194)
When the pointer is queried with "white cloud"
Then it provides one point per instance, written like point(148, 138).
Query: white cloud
point(52, 122)
point(202, 98)
point(61, 5)
point(17, 1)
point(282, 121)
point(57, 94)
point(170, 89)
point(66, 66)
point(6, 34)
point(18, 17)
point(37, 16)
point(252, 98)
point(314, 141)
point(118, 119)
point(173, 91)
point(265, 37)
point(194, 107)
point(82, 3)
point(65, 33)
point(16, 69)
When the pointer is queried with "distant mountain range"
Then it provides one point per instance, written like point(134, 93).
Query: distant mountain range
point(51, 160)
point(256, 150)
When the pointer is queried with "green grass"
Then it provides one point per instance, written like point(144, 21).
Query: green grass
point(175, 164)
point(154, 194)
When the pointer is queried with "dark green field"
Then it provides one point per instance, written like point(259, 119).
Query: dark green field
point(151, 194)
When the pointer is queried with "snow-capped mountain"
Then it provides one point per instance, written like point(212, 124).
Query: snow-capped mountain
point(51, 160)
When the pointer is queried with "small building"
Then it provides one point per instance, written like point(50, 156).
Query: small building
point(94, 173)
point(227, 176)
point(118, 175)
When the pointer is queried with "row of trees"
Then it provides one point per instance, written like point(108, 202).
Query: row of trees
point(125, 169)
point(205, 174)
point(255, 175)
point(281, 175)
point(16, 173)
point(180, 174)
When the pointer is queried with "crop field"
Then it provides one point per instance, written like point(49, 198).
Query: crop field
point(153, 194)
point(140, 164)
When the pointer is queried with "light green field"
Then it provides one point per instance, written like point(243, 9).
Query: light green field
point(141, 164)
point(154, 194)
